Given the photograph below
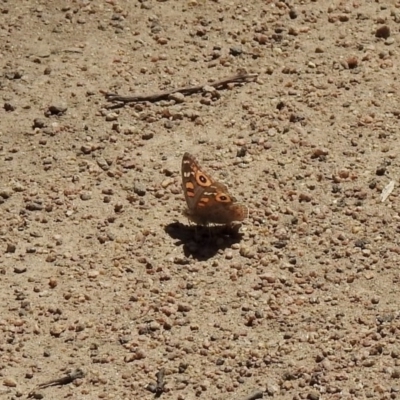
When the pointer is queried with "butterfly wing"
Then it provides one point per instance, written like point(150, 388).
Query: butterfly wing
point(194, 180)
point(217, 206)
point(208, 201)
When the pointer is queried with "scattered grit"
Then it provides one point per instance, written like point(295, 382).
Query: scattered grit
point(107, 290)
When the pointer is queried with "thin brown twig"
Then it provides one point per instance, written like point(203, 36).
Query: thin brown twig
point(160, 382)
point(64, 380)
point(186, 90)
point(158, 388)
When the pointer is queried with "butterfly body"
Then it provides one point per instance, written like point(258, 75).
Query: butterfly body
point(208, 201)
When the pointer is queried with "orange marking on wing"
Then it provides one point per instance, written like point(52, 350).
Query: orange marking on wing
point(203, 202)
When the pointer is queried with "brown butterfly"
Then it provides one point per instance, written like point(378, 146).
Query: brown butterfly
point(208, 201)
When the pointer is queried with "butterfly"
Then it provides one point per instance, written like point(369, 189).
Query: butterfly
point(208, 201)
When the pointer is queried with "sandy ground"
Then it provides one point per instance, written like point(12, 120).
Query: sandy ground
point(100, 271)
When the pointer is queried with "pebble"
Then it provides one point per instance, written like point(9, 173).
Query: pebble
point(53, 282)
point(86, 149)
point(229, 255)
point(131, 130)
point(57, 109)
point(235, 51)
point(85, 196)
point(395, 374)
point(319, 152)
point(6, 193)
point(167, 182)
point(305, 197)
point(293, 13)
point(93, 274)
point(182, 307)
point(35, 394)
point(137, 355)
point(112, 116)
point(11, 248)
point(39, 123)
point(162, 40)
point(147, 135)
point(18, 187)
point(33, 206)
point(177, 97)
point(261, 39)
point(9, 382)
point(314, 395)
point(57, 329)
point(270, 278)
point(139, 189)
point(247, 252)
point(383, 32)
point(103, 164)
point(9, 107)
point(352, 62)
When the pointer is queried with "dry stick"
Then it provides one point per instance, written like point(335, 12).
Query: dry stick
point(159, 387)
point(160, 381)
point(64, 380)
point(240, 78)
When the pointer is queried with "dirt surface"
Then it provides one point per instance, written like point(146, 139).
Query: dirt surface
point(100, 271)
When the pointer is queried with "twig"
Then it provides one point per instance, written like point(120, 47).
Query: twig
point(254, 396)
point(160, 382)
point(158, 388)
point(64, 380)
point(387, 190)
point(186, 90)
